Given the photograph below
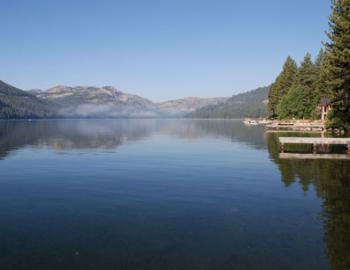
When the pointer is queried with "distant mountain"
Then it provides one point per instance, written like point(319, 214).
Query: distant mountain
point(16, 103)
point(107, 101)
point(91, 102)
point(249, 104)
point(184, 106)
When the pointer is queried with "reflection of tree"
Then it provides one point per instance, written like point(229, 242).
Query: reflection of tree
point(235, 130)
point(331, 179)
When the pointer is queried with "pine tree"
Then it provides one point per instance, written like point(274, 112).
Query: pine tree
point(307, 73)
point(303, 96)
point(321, 87)
point(320, 58)
point(336, 70)
point(307, 78)
point(320, 64)
point(281, 86)
point(295, 104)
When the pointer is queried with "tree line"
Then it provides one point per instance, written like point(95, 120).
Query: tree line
point(298, 90)
point(248, 104)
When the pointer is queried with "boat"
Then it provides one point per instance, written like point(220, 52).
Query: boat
point(250, 122)
point(264, 122)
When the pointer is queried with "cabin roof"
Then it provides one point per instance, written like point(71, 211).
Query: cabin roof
point(325, 101)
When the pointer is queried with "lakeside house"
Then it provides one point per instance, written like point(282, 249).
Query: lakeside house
point(325, 106)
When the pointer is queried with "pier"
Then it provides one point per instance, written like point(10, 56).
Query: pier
point(314, 156)
point(296, 126)
point(314, 141)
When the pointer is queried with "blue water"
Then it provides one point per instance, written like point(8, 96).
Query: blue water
point(166, 194)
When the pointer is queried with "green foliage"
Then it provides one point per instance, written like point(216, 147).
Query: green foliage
point(295, 104)
point(308, 78)
point(281, 86)
point(321, 86)
point(307, 74)
point(299, 97)
point(335, 121)
point(249, 104)
point(336, 69)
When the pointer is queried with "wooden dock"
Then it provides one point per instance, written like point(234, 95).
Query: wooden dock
point(314, 141)
point(313, 156)
point(296, 126)
point(294, 131)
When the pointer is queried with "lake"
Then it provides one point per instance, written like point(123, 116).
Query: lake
point(166, 194)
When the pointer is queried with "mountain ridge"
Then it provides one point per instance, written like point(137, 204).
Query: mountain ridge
point(84, 101)
point(99, 102)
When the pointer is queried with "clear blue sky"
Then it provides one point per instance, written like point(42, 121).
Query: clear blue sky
point(158, 49)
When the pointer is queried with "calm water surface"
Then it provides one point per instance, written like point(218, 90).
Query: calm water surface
point(166, 194)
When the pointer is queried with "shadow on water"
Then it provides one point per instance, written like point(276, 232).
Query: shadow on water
point(331, 180)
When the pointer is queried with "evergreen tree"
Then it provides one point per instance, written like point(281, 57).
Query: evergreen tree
point(320, 64)
point(281, 86)
point(307, 78)
point(307, 74)
point(336, 69)
point(320, 58)
point(321, 87)
point(295, 104)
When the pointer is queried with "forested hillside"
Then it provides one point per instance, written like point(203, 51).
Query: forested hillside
point(249, 104)
point(15, 103)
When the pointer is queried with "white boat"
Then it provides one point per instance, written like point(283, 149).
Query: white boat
point(264, 122)
point(250, 122)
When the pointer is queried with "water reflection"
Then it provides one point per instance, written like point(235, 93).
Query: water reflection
point(109, 134)
point(331, 180)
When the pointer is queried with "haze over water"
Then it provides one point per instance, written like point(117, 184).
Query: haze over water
point(166, 194)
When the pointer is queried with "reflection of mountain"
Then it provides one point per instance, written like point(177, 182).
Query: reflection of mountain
point(331, 181)
point(330, 178)
point(69, 134)
point(109, 134)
